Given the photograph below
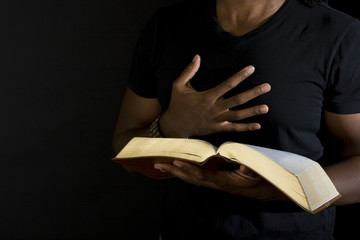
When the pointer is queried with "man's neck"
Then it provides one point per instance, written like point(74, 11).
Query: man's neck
point(239, 17)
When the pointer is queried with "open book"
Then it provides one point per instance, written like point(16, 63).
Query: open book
point(303, 180)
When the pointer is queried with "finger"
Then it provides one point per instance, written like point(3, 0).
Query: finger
point(189, 72)
point(228, 181)
point(191, 172)
point(188, 173)
point(247, 173)
point(219, 180)
point(232, 82)
point(246, 96)
point(237, 179)
point(237, 115)
point(130, 170)
point(236, 127)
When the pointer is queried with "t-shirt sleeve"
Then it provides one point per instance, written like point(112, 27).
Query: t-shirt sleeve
point(142, 79)
point(343, 90)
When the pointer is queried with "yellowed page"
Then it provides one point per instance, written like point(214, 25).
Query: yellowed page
point(315, 182)
point(188, 149)
point(301, 178)
point(285, 181)
point(317, 186)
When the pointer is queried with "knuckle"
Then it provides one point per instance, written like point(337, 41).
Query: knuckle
point(230, 84)
point(239, 115)
point(258, 91)
point(217, 128)
point(249, 127)
point(219, 108)
point(264, 88)
point(208, 98)
point(240, 100)
point(255, 111)
point(255, 92)
point(235, 127)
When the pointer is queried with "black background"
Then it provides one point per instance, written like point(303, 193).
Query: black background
point(64, 66)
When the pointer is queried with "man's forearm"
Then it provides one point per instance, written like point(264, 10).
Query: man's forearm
point(346, 178)
point(121, 139)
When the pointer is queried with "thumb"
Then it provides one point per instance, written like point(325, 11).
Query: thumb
point(188, 73)
point(245, 171)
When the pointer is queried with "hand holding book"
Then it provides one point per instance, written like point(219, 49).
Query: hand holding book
point(301, 179)
point(241, 181)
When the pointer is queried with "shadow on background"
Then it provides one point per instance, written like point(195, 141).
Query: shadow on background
point(64, 66)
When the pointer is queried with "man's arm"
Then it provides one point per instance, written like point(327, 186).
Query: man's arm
point(136, 115)
point(346, 173)
point(190, 113)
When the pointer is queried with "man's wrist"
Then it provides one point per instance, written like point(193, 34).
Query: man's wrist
point(154, 129)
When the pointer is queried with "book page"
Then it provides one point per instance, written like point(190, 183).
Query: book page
point(292, 162)
point(317, 186)
point(270, 170)
point(187, 149)
point(315, 182)
point(312, 187)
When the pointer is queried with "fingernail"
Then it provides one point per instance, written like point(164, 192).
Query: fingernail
point(264, 109)
point(194, 59)
point(255, 126)
point(250, 70)
point(159, 168)
point(265, 88)
point(177, 164)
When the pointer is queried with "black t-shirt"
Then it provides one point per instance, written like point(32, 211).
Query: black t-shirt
point(309, 55)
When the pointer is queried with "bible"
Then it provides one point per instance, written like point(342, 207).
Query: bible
point(303, 180)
